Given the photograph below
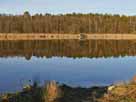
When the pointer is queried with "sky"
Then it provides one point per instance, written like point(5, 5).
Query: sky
point(126, 7)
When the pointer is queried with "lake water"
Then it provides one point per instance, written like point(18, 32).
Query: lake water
point(73, 62)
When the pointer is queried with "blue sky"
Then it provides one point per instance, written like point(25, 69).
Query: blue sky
point(67, 6)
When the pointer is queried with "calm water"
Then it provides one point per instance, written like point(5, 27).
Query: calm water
point(77, 63)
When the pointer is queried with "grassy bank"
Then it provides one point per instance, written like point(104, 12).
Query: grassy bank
point(53, 92)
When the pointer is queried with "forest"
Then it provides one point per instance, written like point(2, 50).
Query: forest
point(73, 23)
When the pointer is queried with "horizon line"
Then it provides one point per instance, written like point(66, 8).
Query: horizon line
point(64, 13)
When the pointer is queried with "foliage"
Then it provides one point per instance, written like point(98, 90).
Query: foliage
point(67, 23)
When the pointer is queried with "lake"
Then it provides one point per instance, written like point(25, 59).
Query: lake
point(74, 62)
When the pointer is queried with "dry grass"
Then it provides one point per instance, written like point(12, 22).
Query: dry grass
point(121, 93)
point(51, 91)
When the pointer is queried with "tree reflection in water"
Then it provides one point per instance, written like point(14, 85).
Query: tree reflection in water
point(68, 48)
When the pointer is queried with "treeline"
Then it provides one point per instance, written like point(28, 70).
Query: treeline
point(67, 23)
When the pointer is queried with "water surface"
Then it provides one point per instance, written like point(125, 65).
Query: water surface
point(73, 62)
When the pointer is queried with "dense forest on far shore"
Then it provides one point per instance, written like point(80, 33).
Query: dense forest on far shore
point(67, 23)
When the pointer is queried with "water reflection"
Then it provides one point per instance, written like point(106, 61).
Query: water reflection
point(15, 72)
point(97, 62)
point(68, 48)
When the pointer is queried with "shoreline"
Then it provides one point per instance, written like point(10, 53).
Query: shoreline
point(42, 36)
point(55, 92)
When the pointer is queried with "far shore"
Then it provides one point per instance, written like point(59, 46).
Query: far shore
point(82, 36)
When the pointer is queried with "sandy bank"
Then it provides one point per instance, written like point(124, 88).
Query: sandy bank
point(25, 36)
